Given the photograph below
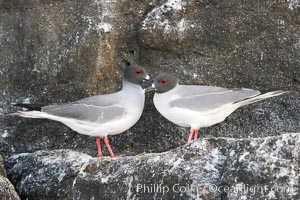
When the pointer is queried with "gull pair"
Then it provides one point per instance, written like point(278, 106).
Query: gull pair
point(187, 106)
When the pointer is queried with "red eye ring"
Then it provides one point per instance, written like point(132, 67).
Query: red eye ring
point(163, 80)
point(139, 71)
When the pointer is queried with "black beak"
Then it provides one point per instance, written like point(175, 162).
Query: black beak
point(151, 87)
point(147, 82)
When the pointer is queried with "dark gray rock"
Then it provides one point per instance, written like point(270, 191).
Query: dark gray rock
point(215, 168)
point(2, 168)
point(61, 51)
point(251, 44)
point(7, 190)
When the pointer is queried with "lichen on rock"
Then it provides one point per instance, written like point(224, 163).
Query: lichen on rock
point(212, 168)
point(62, 51)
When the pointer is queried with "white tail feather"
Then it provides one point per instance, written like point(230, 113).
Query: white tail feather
point(260, 97)
point(31, 114)
point(82, 127)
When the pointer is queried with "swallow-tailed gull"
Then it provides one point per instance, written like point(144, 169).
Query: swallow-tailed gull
point(196, 106)
point(100, 115)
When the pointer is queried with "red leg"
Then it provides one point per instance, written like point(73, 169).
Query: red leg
point(99, 147)
point(191, 135)
point(196, 134)
point(106, 141)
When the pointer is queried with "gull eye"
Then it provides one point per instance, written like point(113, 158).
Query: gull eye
point(163, 81)
point(139, 71)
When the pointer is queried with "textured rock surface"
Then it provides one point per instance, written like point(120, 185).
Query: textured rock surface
point(7, 190)
point(220, 168)
point(61, 51)
point(250, 44)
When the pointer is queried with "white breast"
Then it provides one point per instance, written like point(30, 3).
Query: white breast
point(162, 104)
point(133, 99)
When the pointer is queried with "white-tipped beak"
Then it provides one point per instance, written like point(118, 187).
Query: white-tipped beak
point(148, 80)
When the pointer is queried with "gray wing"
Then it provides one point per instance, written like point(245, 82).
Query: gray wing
point(203, 98)
point(101, 109)
point(190, 90)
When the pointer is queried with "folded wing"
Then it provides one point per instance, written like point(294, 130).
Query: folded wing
point(94, 109)
point(204, 98)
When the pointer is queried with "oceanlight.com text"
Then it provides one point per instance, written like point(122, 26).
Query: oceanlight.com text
point(235, 190)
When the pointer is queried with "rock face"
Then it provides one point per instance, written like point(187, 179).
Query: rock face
point(250, 44)
point(7, 190)
point(220, 168)
point(61, 51)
